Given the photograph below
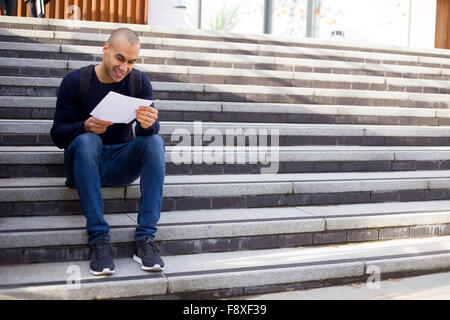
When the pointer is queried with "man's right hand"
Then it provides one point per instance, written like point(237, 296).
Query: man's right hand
point(96, 125)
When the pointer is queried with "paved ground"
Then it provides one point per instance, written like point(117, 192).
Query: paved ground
point(428, 287)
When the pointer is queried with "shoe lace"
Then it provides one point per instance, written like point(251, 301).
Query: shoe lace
point(148, 247)
point(102, 248)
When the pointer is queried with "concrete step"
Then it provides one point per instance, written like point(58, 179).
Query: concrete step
point(43, 161)
point(216, 275)
point(252, 86)
point(223, 75)
point(197, 133)
point(23, 107)
point(420, 287)
point(63, 238)
point(94, 31)
point(159, 31)
point(191, 67)
point(47, 87)
point(49, 196)
point(311, 60)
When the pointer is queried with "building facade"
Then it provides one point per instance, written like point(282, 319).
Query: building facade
point(407, 23)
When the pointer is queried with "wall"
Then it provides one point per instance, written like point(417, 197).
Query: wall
point(442, 39)
point(122, 11)
point(390, 22)
point(423, 24)
point(167, 13)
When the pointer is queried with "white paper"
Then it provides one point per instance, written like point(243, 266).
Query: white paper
point(117, 108)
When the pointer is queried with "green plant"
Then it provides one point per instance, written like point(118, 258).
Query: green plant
point(225, 18)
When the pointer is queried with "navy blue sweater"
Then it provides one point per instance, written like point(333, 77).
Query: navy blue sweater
point(69, 116)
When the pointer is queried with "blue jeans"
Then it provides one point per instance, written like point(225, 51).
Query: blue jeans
point(10, 6)
point(91, 165)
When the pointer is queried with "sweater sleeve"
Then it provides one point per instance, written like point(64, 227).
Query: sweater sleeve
point(67, 124)
point(147, 93)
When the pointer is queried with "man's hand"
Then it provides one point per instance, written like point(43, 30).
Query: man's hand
point(146, 116)
point(96, 125)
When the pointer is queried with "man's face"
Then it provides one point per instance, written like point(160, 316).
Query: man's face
point(119, 58)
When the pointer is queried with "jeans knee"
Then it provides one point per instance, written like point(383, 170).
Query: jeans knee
point(87, 144)
point(153, 143)
point(83, 152)
point(88, 138)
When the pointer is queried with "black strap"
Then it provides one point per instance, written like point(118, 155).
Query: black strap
point(134, 83)
point(85, 81)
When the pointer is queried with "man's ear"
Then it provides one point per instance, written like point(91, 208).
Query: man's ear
point(105, 47)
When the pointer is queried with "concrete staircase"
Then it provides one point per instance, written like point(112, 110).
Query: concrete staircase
point(350, 174)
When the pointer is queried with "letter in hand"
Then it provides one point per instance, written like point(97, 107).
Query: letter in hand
point(96, 125)
point(146, 116)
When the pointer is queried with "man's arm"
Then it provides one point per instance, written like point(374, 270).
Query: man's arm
point(146, 116)
point(95, 125)
point(147, 122)
point(67, 123)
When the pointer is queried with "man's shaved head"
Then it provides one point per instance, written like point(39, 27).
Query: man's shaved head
point(126, 33)
point(120, 53)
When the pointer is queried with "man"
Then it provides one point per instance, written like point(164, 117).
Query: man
point(10, 6)
point(100, 153)
point(37, 7)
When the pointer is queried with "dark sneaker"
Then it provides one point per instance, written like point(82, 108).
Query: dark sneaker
point(102, 262)
point(146, 253)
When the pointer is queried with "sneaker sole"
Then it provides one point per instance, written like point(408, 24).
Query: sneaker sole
point(105, 271)
point(156, 267)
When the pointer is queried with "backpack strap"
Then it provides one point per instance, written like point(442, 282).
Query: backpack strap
point(135, 83)
point(85, 81)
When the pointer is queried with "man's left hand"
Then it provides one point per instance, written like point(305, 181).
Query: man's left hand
point(146, 116)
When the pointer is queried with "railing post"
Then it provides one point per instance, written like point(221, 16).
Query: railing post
point(199, 14)
point(311, 18)
point(268, 9)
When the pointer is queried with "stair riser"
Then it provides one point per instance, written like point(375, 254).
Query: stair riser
point(239, 293)
point(250, 97)
point(186, 286)
point(55, 25)
point(48, 113)
point(45, 140)
point(306, 67)
point(245, 50)
point(223, 244)
point(254, 70)
point(155, 289)
point(57, 170)
point(70, 207)
point(99, 44)
point(248, 49)
point(272, 81)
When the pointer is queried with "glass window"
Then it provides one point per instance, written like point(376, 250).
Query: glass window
point(368, 21)
point(233, 15)
point(289, 17)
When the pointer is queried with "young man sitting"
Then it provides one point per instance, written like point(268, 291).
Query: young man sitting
point(100, 153)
